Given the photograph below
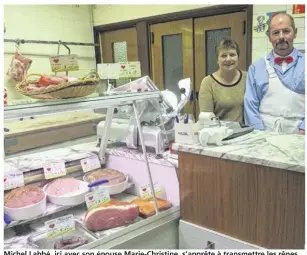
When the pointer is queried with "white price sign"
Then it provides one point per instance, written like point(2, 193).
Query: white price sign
point(108, 71)
point(13, 180)
point(90, 163)
point(54, 169)
point(60, 226)
point(145, 191)
point(96, 198)
point(130, 69)
point(63, 63)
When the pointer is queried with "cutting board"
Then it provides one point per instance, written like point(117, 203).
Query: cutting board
point(47, 130)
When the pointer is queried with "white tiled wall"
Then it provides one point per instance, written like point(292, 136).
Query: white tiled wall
point(261, 45)
point(48, 22)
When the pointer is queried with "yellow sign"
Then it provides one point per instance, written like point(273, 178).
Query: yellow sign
point(60, 226)
point(63, 63)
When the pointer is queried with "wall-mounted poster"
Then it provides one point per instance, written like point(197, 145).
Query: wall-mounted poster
point(261, 22)
point(298, 10)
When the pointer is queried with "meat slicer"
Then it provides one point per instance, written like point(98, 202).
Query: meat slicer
point(157, 116)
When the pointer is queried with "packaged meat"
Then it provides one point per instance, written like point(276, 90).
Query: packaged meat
point(80, 236)
point(114, 176)
point(147, 207)
point(5, 96)
point(68, 243)
point(46, 80)
point(19, 67)
point(24, 203)
point(66, 191)
point(113, 214)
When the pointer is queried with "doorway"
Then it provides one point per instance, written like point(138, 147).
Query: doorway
point(119, 46)
point(186, 49)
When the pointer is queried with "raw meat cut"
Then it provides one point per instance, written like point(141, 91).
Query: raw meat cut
point(62, 186)
point(114, 176)
point(110, 215)
point(19, 67)
point(23, 196)
point(147, 207)
point(67, 243)
point(46, 80)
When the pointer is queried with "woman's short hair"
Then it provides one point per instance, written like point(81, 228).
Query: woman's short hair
point(227, 44)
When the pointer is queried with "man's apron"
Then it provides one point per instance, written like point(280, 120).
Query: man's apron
point(281, 109)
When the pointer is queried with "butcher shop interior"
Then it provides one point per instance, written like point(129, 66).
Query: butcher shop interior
point(115, 136)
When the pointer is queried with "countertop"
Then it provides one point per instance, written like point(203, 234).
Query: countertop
point(259, 148)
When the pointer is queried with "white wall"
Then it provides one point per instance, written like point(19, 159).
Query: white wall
point(47, 22)
point(107, 14)
point(261, 45)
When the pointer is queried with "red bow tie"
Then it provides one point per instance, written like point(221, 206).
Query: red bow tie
point(279, 61)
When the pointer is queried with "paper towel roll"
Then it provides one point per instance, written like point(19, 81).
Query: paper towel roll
point(206, 118)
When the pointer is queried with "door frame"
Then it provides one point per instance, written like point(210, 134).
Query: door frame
point(143, 33)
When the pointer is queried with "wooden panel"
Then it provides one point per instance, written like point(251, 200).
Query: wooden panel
point(143, 47)
point(260, 205)
point(185, 28)
point(128, 35)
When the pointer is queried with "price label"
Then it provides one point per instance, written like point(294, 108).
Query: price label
point(108, 71)
point(60, 226)
point(63, 63)
point(145, 191)
point(13, 180)
point(54, 169)
point(96, 198)
point(90, 163)
point(130, 69)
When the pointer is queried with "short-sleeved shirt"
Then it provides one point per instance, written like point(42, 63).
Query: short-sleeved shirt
point(225, 101)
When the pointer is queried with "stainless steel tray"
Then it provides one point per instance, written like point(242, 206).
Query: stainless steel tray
point(40, 240)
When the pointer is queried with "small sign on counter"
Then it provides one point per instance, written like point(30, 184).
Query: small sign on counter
point(145, 191)
point(60, 226)
point(96, 198)
point(90, 163)
point(13, 180)
point(130, 69)
point(108, 71)
point(54, 169)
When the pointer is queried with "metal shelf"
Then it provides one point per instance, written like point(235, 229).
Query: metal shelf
point(68, 105)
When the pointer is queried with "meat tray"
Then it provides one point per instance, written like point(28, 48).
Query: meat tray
point(40, 240)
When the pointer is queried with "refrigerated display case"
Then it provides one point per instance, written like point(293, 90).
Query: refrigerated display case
point(141, 168)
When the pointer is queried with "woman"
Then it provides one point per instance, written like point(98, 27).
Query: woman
point(222, 92)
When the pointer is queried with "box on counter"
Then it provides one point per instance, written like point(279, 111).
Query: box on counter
point(186, 133)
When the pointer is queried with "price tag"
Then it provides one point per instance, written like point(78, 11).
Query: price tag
point(54, 169)
point(145, 191)
point(108, 71)
point(130, 69)
point(60, 226)
point(96, 198)
point(63, 63)
point(13, 180)
point(90, 163)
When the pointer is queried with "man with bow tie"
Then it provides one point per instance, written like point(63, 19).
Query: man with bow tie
point(275, 85)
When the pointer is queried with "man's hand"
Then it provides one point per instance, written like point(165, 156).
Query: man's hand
point(301, 131)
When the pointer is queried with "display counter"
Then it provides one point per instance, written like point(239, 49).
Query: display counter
point(142, 233)
point(248, 193)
